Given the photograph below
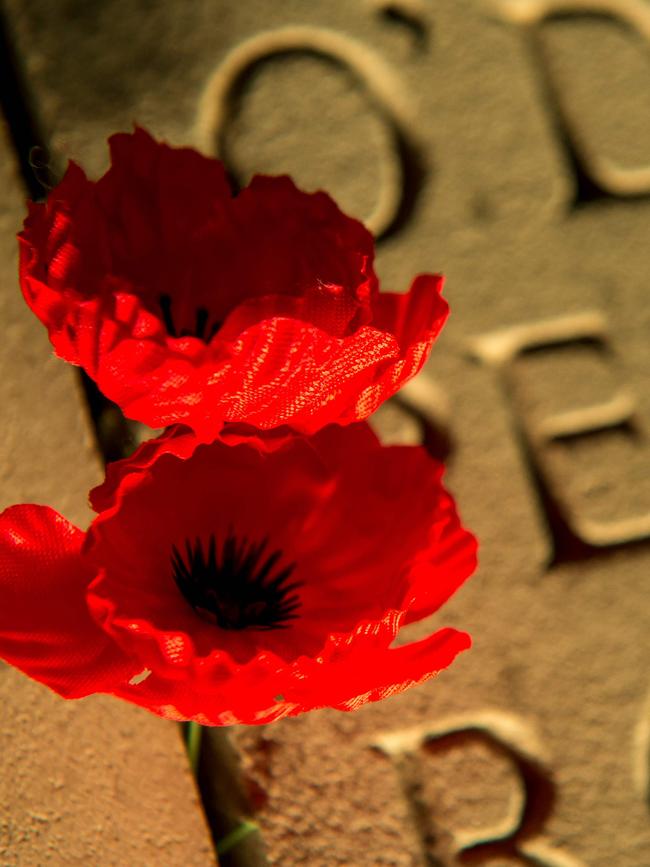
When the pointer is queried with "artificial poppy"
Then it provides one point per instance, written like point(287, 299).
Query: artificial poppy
point(188, 305)
point(239, 583)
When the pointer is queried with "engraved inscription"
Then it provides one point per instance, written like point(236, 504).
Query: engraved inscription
point(480, 789)
point(419, 415)
point(410, 14)
point(596, 174)
point(382, 86)
point(573, 532)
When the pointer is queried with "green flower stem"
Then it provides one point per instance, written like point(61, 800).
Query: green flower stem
point(193, 735)
point(236, 836)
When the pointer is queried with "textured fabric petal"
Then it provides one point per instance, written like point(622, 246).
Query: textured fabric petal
point(225, 694)
point(176, 440)
point(180, 441)
point(363, 668)
point(189, 306)
point(414, 319)
point(45, 628)
point(360, 538)
point(441, 567)
point(300, 505)
point(172, 207)
point(278, 372)
point(352, 671)
point(324, 502)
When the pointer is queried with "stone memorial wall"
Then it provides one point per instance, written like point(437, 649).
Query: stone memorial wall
point(91, 782)
point(507, 145)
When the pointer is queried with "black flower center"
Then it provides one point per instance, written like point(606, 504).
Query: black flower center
point(200, 327)
point(237, 584)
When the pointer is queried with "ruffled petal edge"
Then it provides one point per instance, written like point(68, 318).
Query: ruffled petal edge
point(46, 629)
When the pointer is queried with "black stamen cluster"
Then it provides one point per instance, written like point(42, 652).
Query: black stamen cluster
point(202, 319)
point(238, 586)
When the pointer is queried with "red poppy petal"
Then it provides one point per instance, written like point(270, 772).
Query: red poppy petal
point(226, 694)
point(178, 232)
point(341, 246)
point(47, 304)
point(182, 184)
point(324, 502)
point(444, 565)
point(280, 371)
point(353, 670)
point(180, 441)
point(304, 247)
point(73, 188)
point(356, 671)
point(176, 440)
point(135, 275)
point(354, 492)
point(65, 245)
point(414, 316)
point(340, 447)
point(160, 203)
point(157, 193)
point(322, 308)
point(414, 320)
point(45, 627)
point(288, 371)
point(181, 500)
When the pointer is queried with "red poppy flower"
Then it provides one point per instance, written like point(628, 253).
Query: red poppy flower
point(227, 583)
point(187, 305)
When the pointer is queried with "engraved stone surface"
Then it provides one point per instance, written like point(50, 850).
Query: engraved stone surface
point(94, 781)
point(465, 133)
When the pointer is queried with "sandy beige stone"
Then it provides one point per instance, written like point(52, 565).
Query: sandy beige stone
point(463, 138)
point(94, 781)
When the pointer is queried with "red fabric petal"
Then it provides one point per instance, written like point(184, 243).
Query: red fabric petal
point(441, 567)
point(278, 371)
point(180, 441)
point(352, 670)
point(189, 306)
point(351, 514)
point(414, 319)
point(363, 668)
point(376, 542)
point(305, 248)
point(175, 440)
point(45, 627)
